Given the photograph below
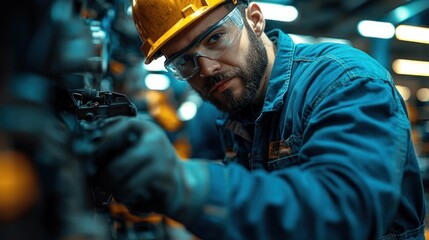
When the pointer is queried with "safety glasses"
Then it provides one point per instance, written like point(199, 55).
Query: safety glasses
point(210, 44)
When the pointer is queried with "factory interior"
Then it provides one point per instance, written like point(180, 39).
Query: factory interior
point(92, 47)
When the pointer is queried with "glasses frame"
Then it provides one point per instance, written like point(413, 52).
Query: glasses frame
point(234, 15)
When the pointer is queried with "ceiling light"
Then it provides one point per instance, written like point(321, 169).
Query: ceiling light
point(423, 94)
point(411, 67)
point(278, 12)
point(412, 34)
point(187, 111)
point(156, 81)
point(376, 29)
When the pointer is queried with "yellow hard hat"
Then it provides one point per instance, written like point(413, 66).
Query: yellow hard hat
point(157, 21)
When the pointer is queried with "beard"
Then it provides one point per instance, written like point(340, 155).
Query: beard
point(251, 77)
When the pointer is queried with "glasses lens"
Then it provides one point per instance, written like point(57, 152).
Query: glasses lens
point(211, 44)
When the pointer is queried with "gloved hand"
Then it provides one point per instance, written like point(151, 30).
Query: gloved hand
point(139, 165)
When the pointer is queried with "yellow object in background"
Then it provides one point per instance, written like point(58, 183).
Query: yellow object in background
point(19, 188)
point(162, 111)
point(183, 148)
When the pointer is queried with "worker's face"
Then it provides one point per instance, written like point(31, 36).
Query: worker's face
point(218, 61)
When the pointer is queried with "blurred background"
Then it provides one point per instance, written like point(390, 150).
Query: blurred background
point(66, 65)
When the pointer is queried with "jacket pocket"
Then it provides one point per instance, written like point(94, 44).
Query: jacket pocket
point(284, 153)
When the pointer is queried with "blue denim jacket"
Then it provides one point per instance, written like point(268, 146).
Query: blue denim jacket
point(329, 156)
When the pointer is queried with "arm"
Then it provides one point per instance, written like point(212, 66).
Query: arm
point(347, 187)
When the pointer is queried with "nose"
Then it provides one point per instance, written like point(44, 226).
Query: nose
point(208, 66)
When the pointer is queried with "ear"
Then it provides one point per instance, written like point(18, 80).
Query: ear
point(255, 18)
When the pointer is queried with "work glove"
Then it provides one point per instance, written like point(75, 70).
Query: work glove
point(139, 165)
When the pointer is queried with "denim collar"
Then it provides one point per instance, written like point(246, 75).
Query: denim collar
point(278, 83)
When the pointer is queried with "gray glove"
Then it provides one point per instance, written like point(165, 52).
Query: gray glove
point(140, 167)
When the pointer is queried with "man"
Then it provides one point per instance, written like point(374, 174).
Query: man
point(317, 137)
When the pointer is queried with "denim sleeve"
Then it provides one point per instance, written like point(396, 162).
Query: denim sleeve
point(347, 186)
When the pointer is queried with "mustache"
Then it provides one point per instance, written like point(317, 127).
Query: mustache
point(211, 81)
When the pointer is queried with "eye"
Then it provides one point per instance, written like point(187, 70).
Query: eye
point(214, 38)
